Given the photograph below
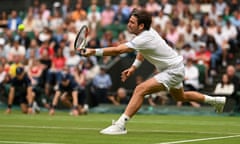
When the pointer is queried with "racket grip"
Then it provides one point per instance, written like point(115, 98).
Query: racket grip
point(80, 51)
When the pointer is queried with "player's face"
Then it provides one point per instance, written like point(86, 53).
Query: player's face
point(133, 26)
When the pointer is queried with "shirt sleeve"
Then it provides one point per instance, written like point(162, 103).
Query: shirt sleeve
point(140, 42)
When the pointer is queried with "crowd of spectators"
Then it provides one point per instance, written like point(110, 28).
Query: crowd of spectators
point(205, 32)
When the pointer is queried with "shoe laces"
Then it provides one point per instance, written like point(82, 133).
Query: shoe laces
point(113, 122)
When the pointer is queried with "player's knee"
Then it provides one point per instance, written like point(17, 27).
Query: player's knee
point(141, 90)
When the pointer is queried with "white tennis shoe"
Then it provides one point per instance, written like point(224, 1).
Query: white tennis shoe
point(219, 104)
point(114, 129)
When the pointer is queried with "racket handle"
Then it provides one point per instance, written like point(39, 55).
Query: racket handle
point(80, 51)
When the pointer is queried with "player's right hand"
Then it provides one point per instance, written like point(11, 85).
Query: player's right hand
point(127, 73)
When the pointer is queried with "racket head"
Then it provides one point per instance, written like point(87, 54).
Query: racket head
point(80, 40)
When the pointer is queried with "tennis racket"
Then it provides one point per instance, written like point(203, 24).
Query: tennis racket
point(81, 39)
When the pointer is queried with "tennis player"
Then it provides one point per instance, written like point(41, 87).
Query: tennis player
point(152, 47)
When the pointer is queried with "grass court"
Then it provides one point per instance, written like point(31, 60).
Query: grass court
point(18, 128)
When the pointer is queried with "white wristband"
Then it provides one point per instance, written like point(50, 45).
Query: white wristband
point(99, 52)
point(137, 63)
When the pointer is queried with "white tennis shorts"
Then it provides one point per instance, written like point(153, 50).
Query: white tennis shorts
point(172, 77)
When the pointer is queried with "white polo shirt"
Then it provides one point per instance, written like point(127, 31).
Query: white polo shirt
point(151, 45)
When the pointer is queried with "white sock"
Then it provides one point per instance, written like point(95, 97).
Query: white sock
point(123, 120)
point(209, 99)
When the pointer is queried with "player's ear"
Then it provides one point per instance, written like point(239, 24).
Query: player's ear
point(141, 26)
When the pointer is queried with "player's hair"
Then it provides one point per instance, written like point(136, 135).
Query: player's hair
point(143, 17)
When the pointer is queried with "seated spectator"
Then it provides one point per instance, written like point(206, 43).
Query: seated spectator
point(195, 43)
point(92, 69)
point(107, 16)
point(161, 19)
point(24, 38)
point(13, 21)
point(135, 5)
point(187, 52)
point(172, 35)
point(17, 49)
point(79, 74)
point(216, 54)
point(188, 34)
point(94, 17)
point(58, 63)
point(33, 49)
point(73, 59)
point(101, 84)
point(122, 12)
point(21, 92)
point(197, 29)
point(78, 12)
point(225, 87)
point(180, 42)
point(152, 6)
point(120, 97)
point(34, 72)
point(203, 55)
point(45, 48)
point(191, 80)
point(16, 63)
point(234, 79)
point(167, 7)
point(230, 32)
point(222, 41)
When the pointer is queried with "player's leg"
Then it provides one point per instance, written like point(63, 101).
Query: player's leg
point(180, 95)
point(148, 87)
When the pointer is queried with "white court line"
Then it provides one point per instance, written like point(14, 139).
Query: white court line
point(22, 142)
point(203, 139)
point(96, 129)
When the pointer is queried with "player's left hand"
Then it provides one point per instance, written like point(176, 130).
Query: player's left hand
point(127, 73)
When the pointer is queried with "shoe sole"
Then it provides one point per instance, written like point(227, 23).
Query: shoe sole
point(114, 133)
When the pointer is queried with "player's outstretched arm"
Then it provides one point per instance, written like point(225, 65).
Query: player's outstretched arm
point(108, 51)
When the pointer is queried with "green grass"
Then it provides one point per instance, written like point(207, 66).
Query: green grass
point(142, 129)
